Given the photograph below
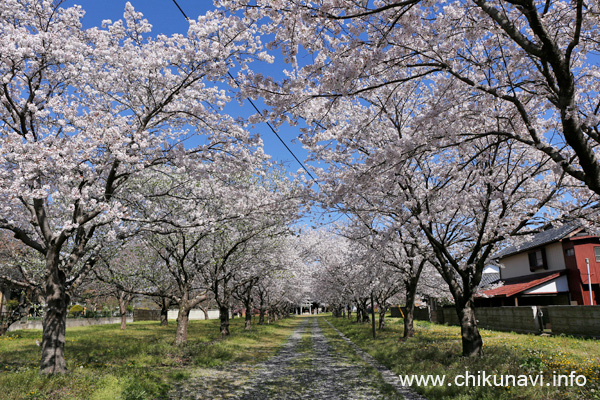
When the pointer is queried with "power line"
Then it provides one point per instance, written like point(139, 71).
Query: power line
point(258, 111)
point(185, 16)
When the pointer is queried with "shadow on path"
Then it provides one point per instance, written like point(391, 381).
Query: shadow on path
point(309, 366)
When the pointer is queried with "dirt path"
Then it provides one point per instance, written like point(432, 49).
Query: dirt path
point(313, 364)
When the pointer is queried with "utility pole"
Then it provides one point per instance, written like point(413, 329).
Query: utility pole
point(587, 265)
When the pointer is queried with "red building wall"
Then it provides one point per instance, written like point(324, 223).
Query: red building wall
point(576, 268)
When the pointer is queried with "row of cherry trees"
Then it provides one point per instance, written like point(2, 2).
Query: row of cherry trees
point(115, 149)
point(442, 131)
point(451, 127)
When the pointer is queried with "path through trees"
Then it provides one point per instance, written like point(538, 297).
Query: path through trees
point(314, 363)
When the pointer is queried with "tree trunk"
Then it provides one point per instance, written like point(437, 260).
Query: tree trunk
point(55, 317)
point(363, 314)
point(224, 317)
point(183, 319)
point(409, 328)
point(164, 313)
point(410, 286)
point(248, 322)
point(123, 320)
point(123, 310)
point(261, 316)
point(472, 343)
point(205, 311)
point(382, 318)
point(164, 316)
point(8, 320)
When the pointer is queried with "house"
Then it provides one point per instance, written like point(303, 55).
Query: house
point(550, 269)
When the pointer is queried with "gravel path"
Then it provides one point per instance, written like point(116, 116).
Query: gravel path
point(310, 365)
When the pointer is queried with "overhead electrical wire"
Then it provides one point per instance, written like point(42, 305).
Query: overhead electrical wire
point(258, 111)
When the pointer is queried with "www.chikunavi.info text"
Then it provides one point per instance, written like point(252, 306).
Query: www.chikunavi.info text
point(482, 378)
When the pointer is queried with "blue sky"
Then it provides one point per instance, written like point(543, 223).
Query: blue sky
point(166, 18)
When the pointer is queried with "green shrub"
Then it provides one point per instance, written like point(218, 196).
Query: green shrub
point(12, 305)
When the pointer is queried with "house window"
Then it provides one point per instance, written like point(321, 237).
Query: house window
point(597, 253)
point(571, 253)
point(537, 260)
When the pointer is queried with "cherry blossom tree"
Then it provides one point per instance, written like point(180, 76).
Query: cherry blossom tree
point(82, 111)
point(21, 270)
point(405, 254)
point(235, 257)
point(269, 259)
point(137, 270)
point(465, 212)
point(463, 198)
point(537, 60)
point(114, 278)
point(327, 258)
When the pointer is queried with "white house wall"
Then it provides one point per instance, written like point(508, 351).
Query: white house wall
point(518, 264)
point(195, 314)
point(558, 285)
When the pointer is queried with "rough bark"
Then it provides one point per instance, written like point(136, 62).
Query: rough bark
point(382, 318)
point(273, 314)
point(123, 303)
point(248, 322)
point(362, 315)
point(409, 328)
point(164, 316)
point(472, 343)
point(164, 311)
point(183, 319)
point(224, 317)
point(7, 320)
point(261, 316)
point(205, 311)
point(55, 317)
point(411, 292)
point(12, 316)
point(123, 320)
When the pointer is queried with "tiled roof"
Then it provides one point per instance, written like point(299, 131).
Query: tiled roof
point(514, 286)
point(488, 278)
point(548, 236)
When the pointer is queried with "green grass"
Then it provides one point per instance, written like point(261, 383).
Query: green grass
point(436, 350)
point(138, 363)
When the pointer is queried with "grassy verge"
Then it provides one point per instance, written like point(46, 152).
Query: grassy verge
point(138, 363)
point(436, 349)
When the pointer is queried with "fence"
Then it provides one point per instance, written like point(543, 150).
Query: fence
point(71, 323)
point(419, 313)
point(568, 320)
point(146, 315)
point(575, 320)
